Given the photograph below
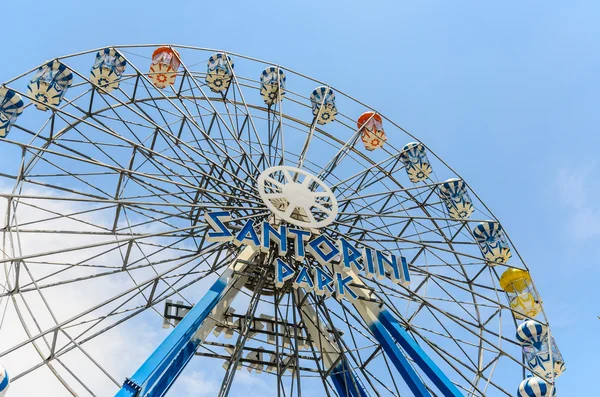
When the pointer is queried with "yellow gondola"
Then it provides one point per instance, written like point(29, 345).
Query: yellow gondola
point(523, 298)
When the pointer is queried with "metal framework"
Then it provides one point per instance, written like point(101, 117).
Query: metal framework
point(105, 197)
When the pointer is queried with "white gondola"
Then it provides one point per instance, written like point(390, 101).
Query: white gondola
point(219, 72)
point(536, 387)
point(415, 160)
point(456, 198)
point(11, 106)
point(107, 70)
point(492, 242)
point(322, 101)
point(50, 84)
point(272, 85)
point(540, 350)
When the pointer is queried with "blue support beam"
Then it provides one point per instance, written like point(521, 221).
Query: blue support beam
point(157, 374)
point(418, 355)
point(346, 382)
point(400, 362)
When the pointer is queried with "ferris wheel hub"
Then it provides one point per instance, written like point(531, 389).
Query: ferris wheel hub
point(297, 197)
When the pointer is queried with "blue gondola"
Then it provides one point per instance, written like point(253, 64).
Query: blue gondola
point(540, 350)
point(322, 101)
point(414, 158)
point(11, 106)
point(492, 242)
point(219, 72)
point(456, 198)
point(50, 84)
point(108, 69)
point(272, 85)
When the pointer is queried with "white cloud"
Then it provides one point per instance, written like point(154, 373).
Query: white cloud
point(120, 350)
point(197, 383)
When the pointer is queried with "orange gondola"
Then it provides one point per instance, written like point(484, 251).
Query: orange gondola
point(164, 66)
point(370, 126)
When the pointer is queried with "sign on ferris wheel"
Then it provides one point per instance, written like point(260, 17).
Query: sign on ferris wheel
point(228, 199)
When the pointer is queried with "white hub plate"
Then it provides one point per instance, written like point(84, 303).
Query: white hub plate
point(297, 197)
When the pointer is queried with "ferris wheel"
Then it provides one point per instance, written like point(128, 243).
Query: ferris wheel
point(179, 214)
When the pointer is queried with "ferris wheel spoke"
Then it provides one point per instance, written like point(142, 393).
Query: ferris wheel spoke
point(127, 202)
point(361, 174)
point(178, 153)
point(348, 353)
point(379, 234)
point(77, 346)
point(231, 132)
point(276, 137)
point(370, 175)
point(94, 245)
point(338, 157)
point(454, 362)
point(75, 176)
point(115, 270)
point(161, 169)
point(136, 174)
point(149, 218)
point(110, 167)
point(308, 214)
point(322, 208)
point(287, 176)
point(455, 341)
point(162, 166)
point(212, 129)
point(388, 201)
point(426, 232)
point(242, 338)
point(275, 182)
point(179, 143)
point(135, 290)
point(290, 209)
point(449, 359)
point(136, 103)
point(153, 300)
point(448, 336)
point(425, 303)
point(236, 90)
point(72, 216)
point(85, 140)
point(461, 322)
point(353, 197)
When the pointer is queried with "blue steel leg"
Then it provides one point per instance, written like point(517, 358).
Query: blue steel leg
point(400, 362)
point(390, 334)
point(161, 369)
point(410, 346)
point(346, 382)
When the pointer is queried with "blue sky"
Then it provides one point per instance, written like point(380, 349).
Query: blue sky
point(506, 92)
